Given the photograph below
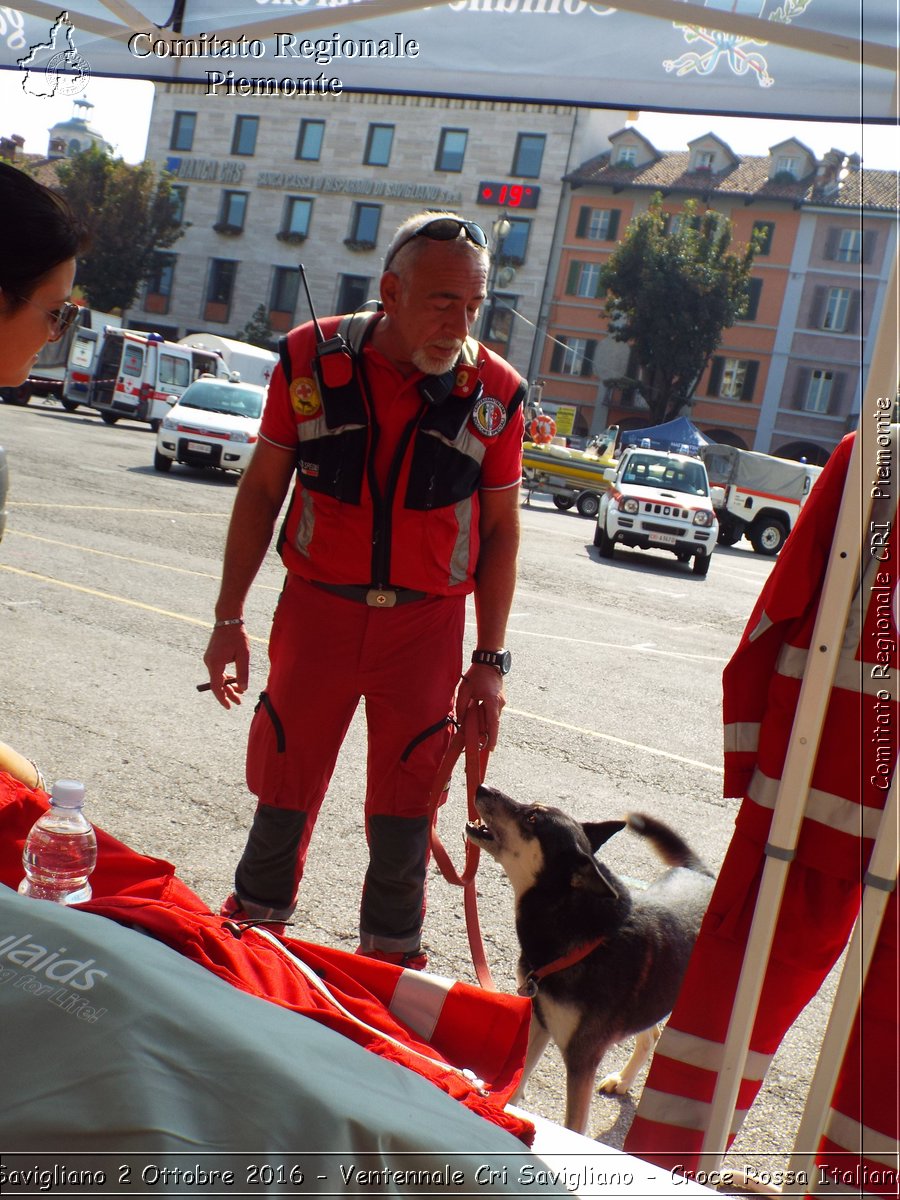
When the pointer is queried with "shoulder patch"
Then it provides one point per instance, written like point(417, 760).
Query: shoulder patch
point(305, 397)
point(489, 416)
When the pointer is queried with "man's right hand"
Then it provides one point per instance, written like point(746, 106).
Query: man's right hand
point(228, 644)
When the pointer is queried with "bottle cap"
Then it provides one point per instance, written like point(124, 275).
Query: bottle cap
point(67, 793)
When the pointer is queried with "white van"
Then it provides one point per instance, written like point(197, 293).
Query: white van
point(140, 375)
point(252, 363)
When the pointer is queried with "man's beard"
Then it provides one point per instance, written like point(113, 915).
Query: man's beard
point(430, 364)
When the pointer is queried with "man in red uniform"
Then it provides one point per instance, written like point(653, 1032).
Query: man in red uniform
point(405, 437)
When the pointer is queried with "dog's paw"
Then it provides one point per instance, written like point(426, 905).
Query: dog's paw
point(613, 1085)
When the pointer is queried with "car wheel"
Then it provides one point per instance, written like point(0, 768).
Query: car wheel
point(603, 542)
point(155, 424)
point(588, 504)
point(683, 556)
point(563, 503)
point(767, 536)
point(69, 405)
point(701, 564)
point(14, 395)
point(108, 418)
point(161, 463)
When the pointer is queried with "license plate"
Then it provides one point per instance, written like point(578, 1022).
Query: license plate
point(203, 448)
point(663, 539)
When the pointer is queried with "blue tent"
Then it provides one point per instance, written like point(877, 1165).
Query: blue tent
point(673, 435)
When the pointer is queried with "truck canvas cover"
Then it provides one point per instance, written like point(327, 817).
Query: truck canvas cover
point(759, 473)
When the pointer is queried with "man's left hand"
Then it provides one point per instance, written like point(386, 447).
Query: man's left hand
point(482, 685)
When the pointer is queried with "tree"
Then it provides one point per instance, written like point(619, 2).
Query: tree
point(258, 330)
point(132, 214)
point(670, 294)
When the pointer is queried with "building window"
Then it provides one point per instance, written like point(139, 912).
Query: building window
point(158, 288)
point(451, 150)
point(787, 164)
point(584, 280)
point(513, 248)
point(733, 378)
point(283, 298)
point(378, 145)
point(704, 160)
point(179, 202)
point(750, 309)
point(244, 138)
point(498, 319)
point(220, 288)
point(818, 392)
point(573, 356)
point(309, 140)
point(233, 212)
point(763, 231)
point(626, 156)
point(598, 224)
point(529, 155)
point(837, 309)
point(183, 126)
point(353, 292)
point(845, 245)
point(364, 224)
point(295, 223)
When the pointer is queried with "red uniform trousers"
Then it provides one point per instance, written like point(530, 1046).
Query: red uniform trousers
point(326, 653)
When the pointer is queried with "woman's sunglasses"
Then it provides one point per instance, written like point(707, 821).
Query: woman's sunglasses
point(62, 317)
point(441, 229)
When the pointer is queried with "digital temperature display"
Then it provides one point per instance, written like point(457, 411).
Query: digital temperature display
point(508, 195)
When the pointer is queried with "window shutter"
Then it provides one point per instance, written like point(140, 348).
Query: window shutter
point(587, 363)
point(752, 300)
point(851, 324)
point(556, 357)
point(801, 386)
point(817, 312)
point(837, 392)
point(831, 243)
point(715, 376)
point(750, 380)
point(584, 217)
point(868, 245)
point(572, 280)
point(613, 227)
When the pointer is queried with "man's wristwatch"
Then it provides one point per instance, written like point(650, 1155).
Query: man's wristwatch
point(500, 659)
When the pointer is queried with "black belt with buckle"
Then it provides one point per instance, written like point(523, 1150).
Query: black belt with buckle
point(364, 593)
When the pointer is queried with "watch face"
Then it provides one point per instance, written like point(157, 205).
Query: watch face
point(504, 661)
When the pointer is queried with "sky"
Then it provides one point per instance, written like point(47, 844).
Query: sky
point(121, 114)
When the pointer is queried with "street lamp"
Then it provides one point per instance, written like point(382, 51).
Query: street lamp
point(500, 230)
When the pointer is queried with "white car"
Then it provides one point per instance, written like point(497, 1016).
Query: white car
point(659, 501)
point(214, 424)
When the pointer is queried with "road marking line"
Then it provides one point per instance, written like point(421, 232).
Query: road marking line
point(608, 737)
point(558, 637)
point(77, 587)
point(166, 512)
point(142, 562)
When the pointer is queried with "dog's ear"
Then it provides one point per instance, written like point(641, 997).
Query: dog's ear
point(598, 832)
point(589, 876)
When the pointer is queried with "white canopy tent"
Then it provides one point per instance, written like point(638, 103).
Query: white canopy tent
point(802, 59)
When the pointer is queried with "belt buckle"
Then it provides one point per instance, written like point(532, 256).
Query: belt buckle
point(381, 598)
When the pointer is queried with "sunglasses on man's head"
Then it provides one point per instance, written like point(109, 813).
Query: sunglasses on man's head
point(442, 229)
point(62, 317)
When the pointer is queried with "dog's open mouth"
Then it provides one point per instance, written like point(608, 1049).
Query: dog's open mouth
point(479, 831)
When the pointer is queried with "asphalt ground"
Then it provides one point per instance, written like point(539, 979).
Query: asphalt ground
point(109, 572)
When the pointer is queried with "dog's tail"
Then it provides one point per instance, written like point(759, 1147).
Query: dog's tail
point(669, 846)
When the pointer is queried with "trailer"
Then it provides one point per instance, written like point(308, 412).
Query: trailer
point(574, 478)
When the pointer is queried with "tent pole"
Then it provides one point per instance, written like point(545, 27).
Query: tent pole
point(881, 881)
point(838, 589)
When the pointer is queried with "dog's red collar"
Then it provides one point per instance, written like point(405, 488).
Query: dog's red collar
point(533, 978)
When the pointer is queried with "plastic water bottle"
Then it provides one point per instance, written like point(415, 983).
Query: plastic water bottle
point(61, 849)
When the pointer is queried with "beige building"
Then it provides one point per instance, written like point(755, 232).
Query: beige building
point(267, 183)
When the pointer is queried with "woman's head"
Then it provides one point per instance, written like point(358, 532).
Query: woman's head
point(37, 269)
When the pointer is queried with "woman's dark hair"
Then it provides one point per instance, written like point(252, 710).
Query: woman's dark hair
point(40, 232)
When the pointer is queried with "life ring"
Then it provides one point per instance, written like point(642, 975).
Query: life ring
point(542, 429)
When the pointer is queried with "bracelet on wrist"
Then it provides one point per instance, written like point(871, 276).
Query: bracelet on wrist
point(228, 621)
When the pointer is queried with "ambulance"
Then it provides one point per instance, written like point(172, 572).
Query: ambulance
point(140, 376)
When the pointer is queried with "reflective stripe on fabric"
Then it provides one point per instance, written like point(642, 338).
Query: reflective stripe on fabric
point(835, 812)
point(462, 549)
point(855, 1138)
point(742, 737)
point(665, 1109)
point(306, 524)
point(317, 427)
point(708, 1055)
point(419, 999)
point(850, 676)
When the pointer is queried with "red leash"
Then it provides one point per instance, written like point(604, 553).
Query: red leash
point(470, 737)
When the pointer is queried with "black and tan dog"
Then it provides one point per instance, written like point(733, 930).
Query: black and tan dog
point(601, 963)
